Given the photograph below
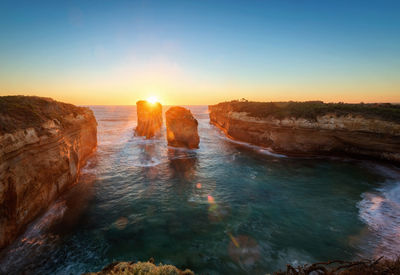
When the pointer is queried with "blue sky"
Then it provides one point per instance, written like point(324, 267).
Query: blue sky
point(189, 52)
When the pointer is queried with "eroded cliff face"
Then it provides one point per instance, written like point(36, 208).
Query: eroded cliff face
point(327, 134)
point(39, 159)
point(181, 128)
point(149, 118)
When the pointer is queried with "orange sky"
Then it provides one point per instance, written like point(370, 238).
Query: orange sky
point(180, 93)
point(191, 52)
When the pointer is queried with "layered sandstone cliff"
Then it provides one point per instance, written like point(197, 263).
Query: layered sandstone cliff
point(43, 146)
point(181, 128)
point(313, 128)
point(149, 118)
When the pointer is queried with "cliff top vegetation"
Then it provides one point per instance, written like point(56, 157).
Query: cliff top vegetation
point(21, 112)
point(312, 109)
point(142, 268)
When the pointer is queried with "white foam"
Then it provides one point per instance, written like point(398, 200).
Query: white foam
point(259, 149)
point(149, 163)
point(380, 210)
point(34, 240)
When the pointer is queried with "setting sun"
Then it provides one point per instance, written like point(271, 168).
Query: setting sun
point(152, 99)
point(196, 137)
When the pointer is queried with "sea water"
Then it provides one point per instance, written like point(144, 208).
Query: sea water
point(225, 208)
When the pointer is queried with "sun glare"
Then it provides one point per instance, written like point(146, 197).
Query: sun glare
point(152, 99)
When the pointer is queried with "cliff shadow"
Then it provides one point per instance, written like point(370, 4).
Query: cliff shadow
point(183, 164)
point(77, 201)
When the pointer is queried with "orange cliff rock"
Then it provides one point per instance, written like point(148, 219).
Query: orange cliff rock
point(149, 118)
point(43, 146)
point(181, 128)
point(313, 128)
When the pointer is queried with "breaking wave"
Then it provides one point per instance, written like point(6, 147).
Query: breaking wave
point(380, 210)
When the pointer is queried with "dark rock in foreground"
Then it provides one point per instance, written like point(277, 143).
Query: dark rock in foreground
point(149, 118)
point(43, 146)
point(181, 128)
point(314, 128)
point(145, 268)
point(337, 267)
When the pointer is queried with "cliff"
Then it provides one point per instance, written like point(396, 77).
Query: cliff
point(313, 128)
point(43, 145)
point(149, 118)
point(181, 128)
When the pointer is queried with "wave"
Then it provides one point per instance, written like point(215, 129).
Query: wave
point(35, 241)
point(148, 163)
point(259, 149)
point(380, 210)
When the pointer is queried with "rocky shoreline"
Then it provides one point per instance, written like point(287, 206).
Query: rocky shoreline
point(43, 146)
point(336, 267)
point(317, 129)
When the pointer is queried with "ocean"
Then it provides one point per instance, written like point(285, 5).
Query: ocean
point(225, 208)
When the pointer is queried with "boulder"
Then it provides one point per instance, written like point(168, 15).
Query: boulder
point(149, 118)
point(181, 128)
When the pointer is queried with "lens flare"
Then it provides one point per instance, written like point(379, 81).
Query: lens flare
point(152, 99)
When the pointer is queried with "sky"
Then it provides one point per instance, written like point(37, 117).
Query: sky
point(111, 52)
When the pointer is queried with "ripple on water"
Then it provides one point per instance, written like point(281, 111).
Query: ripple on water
point(225, 208)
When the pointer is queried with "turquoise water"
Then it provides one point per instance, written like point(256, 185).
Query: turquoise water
point(226, 208)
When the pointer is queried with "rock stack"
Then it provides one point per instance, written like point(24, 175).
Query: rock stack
point(149, 118)
point(181, 128)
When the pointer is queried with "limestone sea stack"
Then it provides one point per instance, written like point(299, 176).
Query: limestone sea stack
point(149, 118)
point(43, 146)
point(314, 128)
point(181, 128)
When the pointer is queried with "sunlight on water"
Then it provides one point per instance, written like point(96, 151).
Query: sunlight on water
point(226, 208)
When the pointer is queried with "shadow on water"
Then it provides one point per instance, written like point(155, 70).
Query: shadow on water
point(33, 250)
point(183, 164)
point(77, 200)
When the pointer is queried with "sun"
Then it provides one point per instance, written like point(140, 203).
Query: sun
point(152, 99)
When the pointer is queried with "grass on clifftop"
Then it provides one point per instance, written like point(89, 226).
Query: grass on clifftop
point(21, 112)
point(312, 109)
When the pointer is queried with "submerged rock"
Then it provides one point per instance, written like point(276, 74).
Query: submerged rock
point(144, 268)
point(43, 146)
point(149, 118)
point(181, 128)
